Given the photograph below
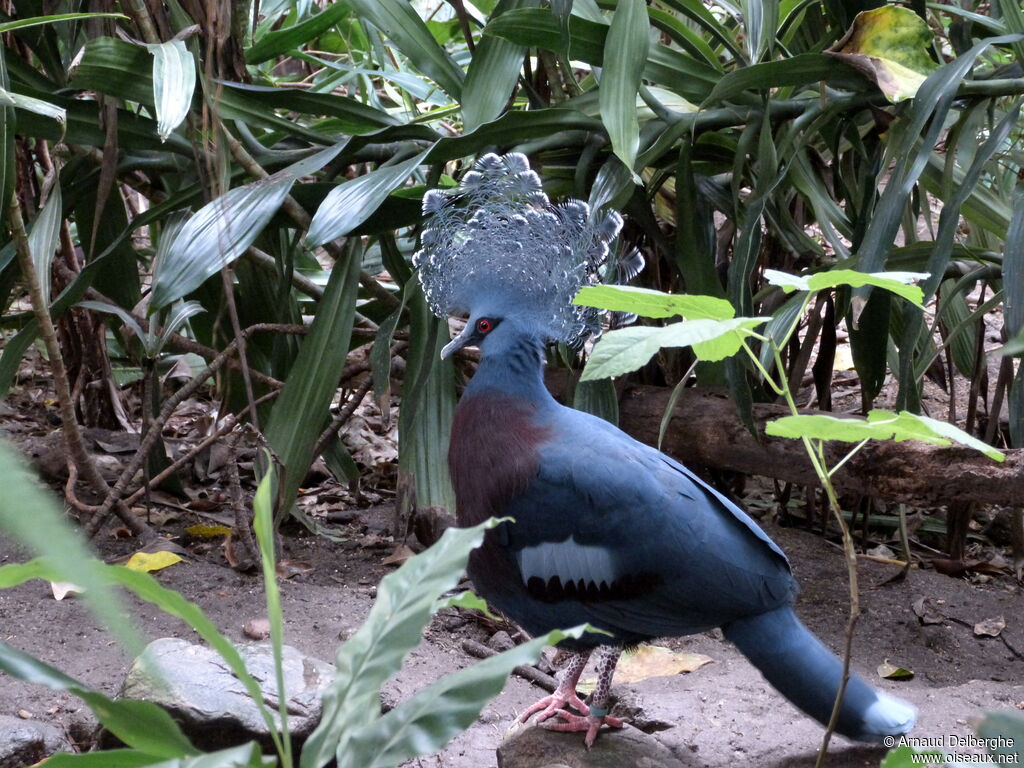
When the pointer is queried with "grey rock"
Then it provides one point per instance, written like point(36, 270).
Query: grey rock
point(25, 742)
point(199, 690)
point(535, 747)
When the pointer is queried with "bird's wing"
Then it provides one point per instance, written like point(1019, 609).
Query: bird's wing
point(647, 545)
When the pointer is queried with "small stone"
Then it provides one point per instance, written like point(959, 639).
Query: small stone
point(26, 743)
point(256, 629)
point(501, 641)
point(535, 747)
point(194, 684)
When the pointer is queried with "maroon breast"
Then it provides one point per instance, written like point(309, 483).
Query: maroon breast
point(493, 454)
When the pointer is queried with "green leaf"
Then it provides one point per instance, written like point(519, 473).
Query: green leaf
point(263, 527)
point(627, 349)
point(908, 757)
point(349, 204)
point(468, 601)
point(174, 80)
point(279, 42)
point(625, 51)
point(880, 425)
point(650, 303)
point(896, 282)
point(43, 239)
point(1005, 730)
point(890, 45)
point(35, 21)
point(399, 22)
point(301, 412)
point(435, 715)
point(37, 106)
point(139, 724)
point(492, 73)
point(538, 27)
point(243, 756)
point(405, 601)
point(803, 70)
point(221, 230)
point(108, 758)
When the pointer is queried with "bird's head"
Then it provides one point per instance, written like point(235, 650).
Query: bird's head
point(498, 249)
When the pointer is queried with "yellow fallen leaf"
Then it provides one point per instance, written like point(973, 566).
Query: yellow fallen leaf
point(204, 531)
point(151, 561)
point(62, 589)
point(649, 661)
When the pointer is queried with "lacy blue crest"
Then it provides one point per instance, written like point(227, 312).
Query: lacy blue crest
point(498, 238)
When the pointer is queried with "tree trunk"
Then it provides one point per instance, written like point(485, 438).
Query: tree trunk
point(706, 431)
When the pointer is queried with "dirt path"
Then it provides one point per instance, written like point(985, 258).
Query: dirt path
point(724, 714)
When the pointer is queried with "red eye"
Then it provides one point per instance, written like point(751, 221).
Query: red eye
point(484, 325)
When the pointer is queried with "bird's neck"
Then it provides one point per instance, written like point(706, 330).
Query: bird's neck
point(515, 369)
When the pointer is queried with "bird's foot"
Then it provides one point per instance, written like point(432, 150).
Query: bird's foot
point(553, 705)
point(589, 724)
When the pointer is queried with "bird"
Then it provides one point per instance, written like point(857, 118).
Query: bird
point(599, 528)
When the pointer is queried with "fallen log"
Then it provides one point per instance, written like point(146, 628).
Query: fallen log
point(706, 431)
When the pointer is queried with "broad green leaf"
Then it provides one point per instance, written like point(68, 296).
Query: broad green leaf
point(243, 756)
point(803, 70)
point(435, 715)
point(405, 601)
point(625, 51)
point(907, 757)
point(301, 412)
point(538, 27)
point(43, 239)
point(492, 73)
point(278, 42)
point(398, 21)
point(468, 601)
point(896, 282)
point(627, 349)
point(174, 80)
point(31, 104)
point(890, 45)
point(1005, 730)
point(221, 230)
point(650, 303)
point(139, 724)
point(35, 21)
point(31, 517)
point(879, 425)
point(350, 203)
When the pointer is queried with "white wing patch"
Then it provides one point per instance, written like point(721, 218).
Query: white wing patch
point(569, 561)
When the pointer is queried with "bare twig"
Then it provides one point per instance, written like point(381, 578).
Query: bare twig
point(534, 675)
point(342, 416)
point(71, 429)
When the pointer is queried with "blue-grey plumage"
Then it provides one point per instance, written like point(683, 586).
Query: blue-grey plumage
point(607, 530)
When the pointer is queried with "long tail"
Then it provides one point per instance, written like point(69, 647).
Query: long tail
point(807, 673)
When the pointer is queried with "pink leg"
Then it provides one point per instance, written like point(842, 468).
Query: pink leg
point(565, 693)
point(596, 714)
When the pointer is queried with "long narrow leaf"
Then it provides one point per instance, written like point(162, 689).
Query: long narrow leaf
point(405, 601)
point(625, 51)
point(492, 73)
point(224, 228)
point(43, 238)
point(441, 711)
point(398, 21)
point(349, 204)
point(301, 412)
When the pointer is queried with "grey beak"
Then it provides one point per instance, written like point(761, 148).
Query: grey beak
point(458, 342)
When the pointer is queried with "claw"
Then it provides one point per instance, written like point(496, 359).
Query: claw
point(589, 724)
point(552, 705)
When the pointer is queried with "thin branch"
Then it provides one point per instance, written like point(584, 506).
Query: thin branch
point(72, 432)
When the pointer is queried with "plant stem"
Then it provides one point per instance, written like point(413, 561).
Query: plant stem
point(69, 422)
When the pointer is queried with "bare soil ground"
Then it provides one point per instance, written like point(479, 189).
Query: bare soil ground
point(722, 714)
